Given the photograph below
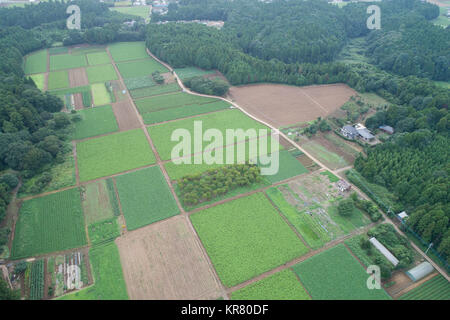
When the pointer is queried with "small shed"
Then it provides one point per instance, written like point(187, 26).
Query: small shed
point(420, 271)
point(384, 251)
point(387, 129)
point(349, 132)
point(343, 185)
point(403, 215)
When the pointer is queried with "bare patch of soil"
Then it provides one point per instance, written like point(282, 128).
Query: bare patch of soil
point(78, 77)
point(125, 115)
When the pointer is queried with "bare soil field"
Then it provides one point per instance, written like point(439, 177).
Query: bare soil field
point(78, 77)
point(78, 98)
point(282, 105)
point(168, 77)
point(164, 261)
point(125, 115)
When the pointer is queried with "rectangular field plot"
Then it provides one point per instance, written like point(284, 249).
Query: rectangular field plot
point(103, 231)
point(51, 223)
point(154, 90)
point(67, 61)
point(329, 158)
point(170, 101)
point(283, 285)
point(108, 276)
point(140, 68)
point(288, 167)
point(310, 204)
point(114, 153)
point(99, 201)
point(164, 261)
point(36, 62)
point(336, 275)
point(39, 80)
point(183, 112)
point(124, 51)
point(190, 72)
point(145, 197)
point(139, 82)
point(95, 58)
point(227, 119)
point(58, 80)
point(437, 288)
point(245, 238)
point(58, 50)
point(100, 94)
point(101, 73)
point(139, 11)
point(95, 121)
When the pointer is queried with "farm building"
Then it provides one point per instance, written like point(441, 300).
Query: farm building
point(403, 215)
point(343, 185)
point(349, 132)
point(384, 251)
point(363, 132)
point(387, 129)
point(420, 271)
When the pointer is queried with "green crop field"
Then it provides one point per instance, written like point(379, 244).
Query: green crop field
point(100, 94)
point(170, 101)
point(124, 51)
point(140, 68)
point(183, 112)
point(283, 285)
point(103, 231)
point(58, 50)
point(310, 230)
point(67, 61)
point(58, 80)
point(227, 119)
point(245, 238)
point(51, 223)
point(139, 11)
point(288, 167)
point(36, 62)
point(109, 283)
point(39, 80)
point(329, 158)
point(101, 73)
point(437, 288)
point(95, 121)
point(100, 201)
point(154, 90)
point(190, 72)
point(336, 274)
point(139, 82)
point(145, 197)
point(95, 58)
point(114, 153)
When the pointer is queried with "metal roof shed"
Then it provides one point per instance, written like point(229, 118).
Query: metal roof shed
point(420, 271)
point(384, 251)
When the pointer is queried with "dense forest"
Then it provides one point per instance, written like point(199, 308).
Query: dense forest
point(408, 49)
point(32, 132)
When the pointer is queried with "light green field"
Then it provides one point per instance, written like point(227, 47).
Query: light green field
point(39, 80)
point(58, 80)
point(139, 11)
point(51, 223)
point(145, 197)
point(330, 159)
point(288, 167)
point(336, 275)
point(140, 68)
point(113, 153)
point(227, 119)
point(154, 90)
point(95, 121)
point(190, 72)
point(97, 58)
point(67, 61)
point(283, 285)
point(167, 101)
point(101, 73)
point(36, 62)
point(58, 50)
point(100, 94)
point(245, 238)
point(109, 283)
point(99, 201)
point(125, 51)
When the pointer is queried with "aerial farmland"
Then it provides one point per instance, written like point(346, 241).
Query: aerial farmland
point(138, 205)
